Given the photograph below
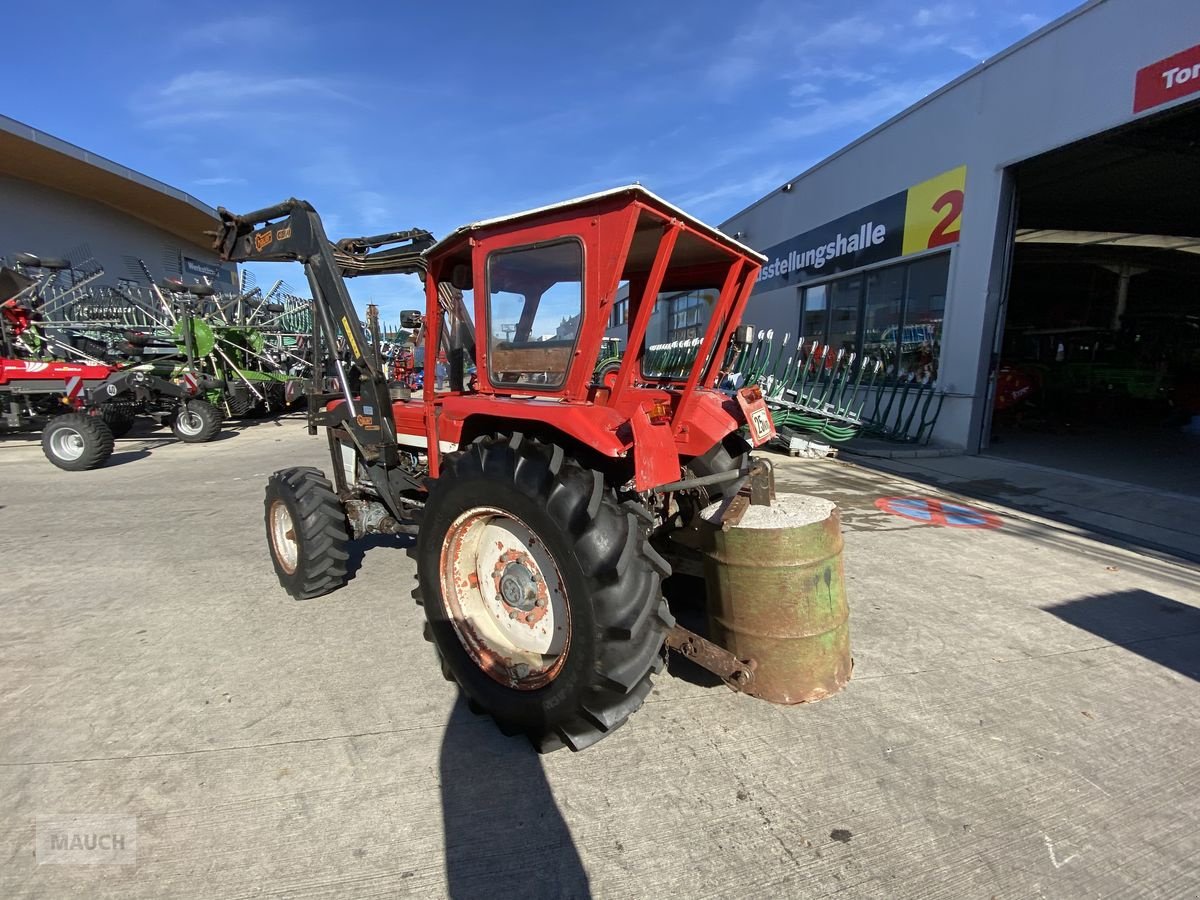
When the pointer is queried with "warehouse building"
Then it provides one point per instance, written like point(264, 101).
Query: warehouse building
point(1032, 229)
point(62, 201)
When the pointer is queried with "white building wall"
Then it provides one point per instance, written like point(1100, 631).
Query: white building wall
point(1071, 80)
point(37, 219)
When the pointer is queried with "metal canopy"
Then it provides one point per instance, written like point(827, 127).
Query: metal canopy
point(635, 192)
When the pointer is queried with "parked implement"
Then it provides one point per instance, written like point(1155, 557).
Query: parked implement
point(80, 407)
point(542, 497)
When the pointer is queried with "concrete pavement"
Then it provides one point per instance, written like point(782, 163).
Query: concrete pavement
point(1022, 720)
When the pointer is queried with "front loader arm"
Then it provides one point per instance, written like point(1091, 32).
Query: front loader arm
point(292, 232)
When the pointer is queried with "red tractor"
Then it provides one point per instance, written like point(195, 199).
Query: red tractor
point(543, 500)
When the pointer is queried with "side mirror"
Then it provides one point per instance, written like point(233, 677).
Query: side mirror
point(411, 318)
point(743, 335)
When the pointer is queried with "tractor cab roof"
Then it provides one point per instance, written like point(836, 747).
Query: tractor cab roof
point(702, 245)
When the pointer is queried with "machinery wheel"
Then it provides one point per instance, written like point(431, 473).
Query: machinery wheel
point(76, 441)
point(307, 532)
point(606, 375)
point(118, 419)
point(196, 421)
point(541, 591)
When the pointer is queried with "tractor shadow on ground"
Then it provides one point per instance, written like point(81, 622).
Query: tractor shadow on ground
point(1154, 627)
point(504, 834)
point(122, 457)
point(358, 549)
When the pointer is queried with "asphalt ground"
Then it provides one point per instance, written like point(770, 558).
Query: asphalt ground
point(1022, 720)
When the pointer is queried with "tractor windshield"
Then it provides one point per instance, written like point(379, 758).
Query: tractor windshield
point(535, 305)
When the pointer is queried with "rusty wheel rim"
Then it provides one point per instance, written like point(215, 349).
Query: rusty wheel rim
point(283, 537)
point(505, 597)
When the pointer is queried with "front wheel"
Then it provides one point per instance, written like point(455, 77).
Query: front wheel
point(542, 593)
point(306, 532)
point(77, 442)
point(196, 421)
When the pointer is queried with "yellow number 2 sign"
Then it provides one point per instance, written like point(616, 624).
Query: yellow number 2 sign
point(933, 212)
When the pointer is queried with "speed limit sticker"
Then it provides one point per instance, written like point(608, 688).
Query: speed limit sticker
point(758, 417)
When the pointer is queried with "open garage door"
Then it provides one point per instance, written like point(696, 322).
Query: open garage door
point(1100, 362)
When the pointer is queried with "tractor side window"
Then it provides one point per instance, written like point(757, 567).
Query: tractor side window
point(535, 308)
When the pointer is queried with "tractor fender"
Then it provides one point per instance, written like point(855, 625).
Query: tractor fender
point(594, 426)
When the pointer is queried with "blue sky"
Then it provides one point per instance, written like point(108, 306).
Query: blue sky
point(395, 115)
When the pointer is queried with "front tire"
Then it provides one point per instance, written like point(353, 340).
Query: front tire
point(77, 442)
point(307, 532)
point(542, 593)
point(196, 422)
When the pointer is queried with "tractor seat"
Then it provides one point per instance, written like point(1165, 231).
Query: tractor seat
point(563, 344)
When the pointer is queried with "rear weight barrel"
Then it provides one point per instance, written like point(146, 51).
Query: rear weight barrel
point(776, 594)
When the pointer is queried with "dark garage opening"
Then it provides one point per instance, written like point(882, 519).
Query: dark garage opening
point(1100, 362)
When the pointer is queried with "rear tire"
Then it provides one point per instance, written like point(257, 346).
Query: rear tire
point(77, 442)
point(196, 422)
point(525, 521)
point(606, 375)
point(118, 419)
point(307, 532)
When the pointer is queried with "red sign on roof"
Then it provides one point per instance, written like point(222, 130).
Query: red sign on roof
point(1167, 80)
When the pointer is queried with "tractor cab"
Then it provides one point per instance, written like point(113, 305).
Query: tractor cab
point(539, 289)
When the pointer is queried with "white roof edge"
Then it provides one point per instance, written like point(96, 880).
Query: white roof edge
point(33, 135)
point(974, 71)
point(599, 195)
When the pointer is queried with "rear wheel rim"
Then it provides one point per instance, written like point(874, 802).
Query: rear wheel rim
point(189, 423)
point(505, 597)
point(67, 444)
point(283, 537)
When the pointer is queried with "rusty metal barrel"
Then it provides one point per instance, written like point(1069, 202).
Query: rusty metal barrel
point(777, 595)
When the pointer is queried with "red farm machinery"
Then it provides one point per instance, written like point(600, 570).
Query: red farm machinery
point(78, 402)
point(543, 498)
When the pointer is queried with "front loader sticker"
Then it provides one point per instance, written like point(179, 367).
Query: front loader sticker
point(262, 239)
point(350, 337)
point(283, 233)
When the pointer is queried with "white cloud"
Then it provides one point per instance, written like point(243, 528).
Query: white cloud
point(218, 180)
point(864, 109)
point(777, 37)
point(744, 190)
point(942, 14)
point(217, 84)
point(208, 96)
point(251, 29)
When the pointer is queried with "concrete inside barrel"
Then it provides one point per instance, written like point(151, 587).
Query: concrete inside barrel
point(786, 511)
